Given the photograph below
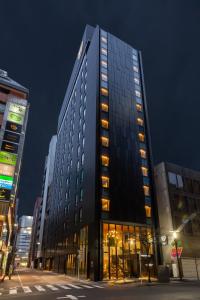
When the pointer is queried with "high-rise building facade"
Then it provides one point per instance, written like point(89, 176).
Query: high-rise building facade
point(13, 120)
point(178, 202)
point(102, 194)
point(23, 240)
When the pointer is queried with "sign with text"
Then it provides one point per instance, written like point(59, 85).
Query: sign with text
point(15, 118)
point(18, 109)
point(8, 158)
point(7, 170)
point(9, 147)
point(6, 182)
point(11, 137)
point(5, 195)
point(13, 127)
point(175, 252)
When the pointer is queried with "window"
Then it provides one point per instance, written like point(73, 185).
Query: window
point(104, 63)
point(135, 57)
point(104, 51)
point(143, 153)
point(104, 40)
point(146, 190)
point(105, 204)
point(81, 195)
point(104, 141)
point(141, 137)
point(105, 181)
point(104, 77)
point(104, 107)
point(148, 211)
point(137, 93)
point(136, 80)
point(140, 121)
point(81, 215)
point(104, 123)
point(104, 84)
point(139, 107)
point(104, 91)
point(144, 171)
point(135, 69)
point(105, 160)
point(82, 158)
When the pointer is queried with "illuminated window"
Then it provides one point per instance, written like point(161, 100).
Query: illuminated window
point(140, 121)
point(146, 190)
point(141, 137)
point(105, 204)
point(104, 141)
point(143, 153)
point(105, 181)
point(134, 56)
point(105, 160)
point(135, 69)
point(104, 77)
point(139, 107)
point(104, 124)
point(144, 171)
point(104, 40)
point(104, 51)
point(148, 211)
point(104, 91)
point(104, 107)
point(136, 80)
point(137, 93)
point(104, 63)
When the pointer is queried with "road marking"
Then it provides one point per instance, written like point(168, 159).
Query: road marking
point(53, 288)
point(87, 286)
point(13, 291)
point(39, 288)
point(27, 289)
point(81, 296)
point(68, 297)
point(75, 286)
point(98, 286)
point(64, 287)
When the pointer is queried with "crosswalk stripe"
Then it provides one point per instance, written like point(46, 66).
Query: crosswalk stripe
point(27, 289)
point(13, 291)
point(39, 288)
point(64, 287)
point(98, 286)
point(53, 288)
point(87, 286)
point(75, 286)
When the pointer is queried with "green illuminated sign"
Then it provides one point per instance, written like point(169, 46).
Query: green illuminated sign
point(8, 158)
point(18, 109)
point(15, 118)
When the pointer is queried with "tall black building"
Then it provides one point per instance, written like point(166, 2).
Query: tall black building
point(101, 199)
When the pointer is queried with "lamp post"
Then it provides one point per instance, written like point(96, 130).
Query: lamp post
point(177, 256)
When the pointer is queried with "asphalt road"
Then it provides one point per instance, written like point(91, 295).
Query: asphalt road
point(49, 286)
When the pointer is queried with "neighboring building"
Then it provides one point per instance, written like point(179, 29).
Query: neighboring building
point(13, 120)
point(178, 200)
point(40, 209)
point(102, 194)
point(23, 240)
point(35, 232)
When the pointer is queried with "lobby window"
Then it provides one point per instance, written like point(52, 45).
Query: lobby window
point(146, 190)
point(135, 57)
point(136, 80)
point(143, 153)
point(105, 181)
point(105, 204)
point(104, 124)
point(104, 39)
point(104, 91)
point(140, 121)
point(135, 69)
point(137, 93)
point(141, 137)
point(139, 107)
point(104, 107)
point(104, 77)
point(105, 160)
point(148, 211)
point(104, 63)
point(105, 141)
point(144, 171)
point(104, 51)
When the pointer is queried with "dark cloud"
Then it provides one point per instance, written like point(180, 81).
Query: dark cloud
point(39, 43)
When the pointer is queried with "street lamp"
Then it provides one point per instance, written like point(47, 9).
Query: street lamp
point(174, 233)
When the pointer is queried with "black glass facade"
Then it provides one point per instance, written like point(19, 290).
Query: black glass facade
point(102, 182)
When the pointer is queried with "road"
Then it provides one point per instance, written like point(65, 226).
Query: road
point(50, 286)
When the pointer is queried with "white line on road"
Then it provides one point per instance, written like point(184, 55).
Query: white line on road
point(98, 286)
point(53, 288)
point(27, 289)
point(39, 288)
point(75, 286)
point(13, 291)
point(87, 286)
point(64, 287)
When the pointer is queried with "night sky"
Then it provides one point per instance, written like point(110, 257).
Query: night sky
point(39, 41)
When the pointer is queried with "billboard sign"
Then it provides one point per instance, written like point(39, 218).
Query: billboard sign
point(5, 195)
point(8, 158)
point(11, 137)
point(15, 118)
point(176, 252)
point(18, 109)
point(6, 182)
point(7, 170)
point(13, 127)
point(9, 147)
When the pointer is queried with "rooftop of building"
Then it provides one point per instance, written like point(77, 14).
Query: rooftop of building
point(7, 81)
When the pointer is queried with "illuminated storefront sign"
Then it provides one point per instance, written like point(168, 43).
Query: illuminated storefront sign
point(4, 195)
point(7, 169)
point(11, 137)
point(18, 109)
point(8, 158)
point(13, 127)
point(6, 182)
point(9, 147)
point(16, 118)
